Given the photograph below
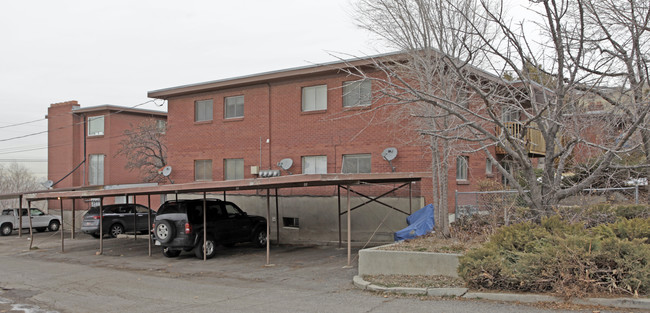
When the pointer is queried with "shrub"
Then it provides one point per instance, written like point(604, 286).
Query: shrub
point(564, 258)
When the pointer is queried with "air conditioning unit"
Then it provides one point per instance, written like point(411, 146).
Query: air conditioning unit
point(255, 170)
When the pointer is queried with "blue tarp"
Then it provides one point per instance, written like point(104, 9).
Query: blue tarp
point(420, 223)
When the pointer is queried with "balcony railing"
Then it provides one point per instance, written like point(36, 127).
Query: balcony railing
point(529, 136)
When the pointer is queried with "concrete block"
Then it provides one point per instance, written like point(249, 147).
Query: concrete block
point(628, 303)
point(512, 297)
point(360, 283)
point(372, 287)
point(407, 290)
point(446, 292)
point(375, 261)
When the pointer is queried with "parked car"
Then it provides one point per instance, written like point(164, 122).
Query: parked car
point(118, 219)
point(9, 220)
point(179, 226)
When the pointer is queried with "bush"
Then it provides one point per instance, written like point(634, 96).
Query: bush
point(564, 258)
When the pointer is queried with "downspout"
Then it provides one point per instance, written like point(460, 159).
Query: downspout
point(270, 141)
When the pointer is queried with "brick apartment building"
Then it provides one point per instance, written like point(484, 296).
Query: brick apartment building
point(317, 116)
point(83, 145)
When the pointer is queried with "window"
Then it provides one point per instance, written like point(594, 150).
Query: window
point(203, 110)
point(231, 210)
point(462, 163)
point(488, 166)
point(202, 169)
point(291, 222)
point(356, 163)
point(314, 164)
point(509, 114)
point(234, 169)
point(234, 107)
point(161, 126)
point(463, 98)
point(96, 169)
point(95, 125)
point(314, 98)
point(357, 93)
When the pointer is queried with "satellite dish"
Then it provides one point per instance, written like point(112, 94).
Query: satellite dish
point(48, 184)
point(166, 171)
point(285, 164)
point(389, 154)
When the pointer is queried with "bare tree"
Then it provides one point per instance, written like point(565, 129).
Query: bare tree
point(14, 179)
point(617, 39)
point(435, 39)
point(145, 149)
point(520, 85)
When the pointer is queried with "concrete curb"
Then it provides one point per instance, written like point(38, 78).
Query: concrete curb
point(625, 303)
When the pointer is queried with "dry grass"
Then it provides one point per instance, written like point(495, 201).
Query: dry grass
point(415, 281)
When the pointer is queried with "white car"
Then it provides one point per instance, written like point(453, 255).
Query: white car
point(9, 220)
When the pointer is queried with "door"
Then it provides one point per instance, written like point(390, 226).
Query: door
point(39, 219)
point(240, 223)
point(142, 221)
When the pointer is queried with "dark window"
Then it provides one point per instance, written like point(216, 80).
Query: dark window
point(291, 222)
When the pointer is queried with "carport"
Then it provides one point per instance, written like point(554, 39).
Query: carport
point(342, 181)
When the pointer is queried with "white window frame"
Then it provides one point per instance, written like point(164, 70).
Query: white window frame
point(357, 93)
point(462, 167)
point(233, 107)
point(314, 164)
point(96, 125)
point(488, 166)
point(352, 163)
point(314, 98)
point(203, 110)
point(96, 169)
point(233, 169)
point(202, 170)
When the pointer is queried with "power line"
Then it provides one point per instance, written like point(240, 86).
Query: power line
point(79, 123)
point(23, 123)
point(24, 160)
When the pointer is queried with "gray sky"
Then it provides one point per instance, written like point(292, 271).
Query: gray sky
point(113, 52)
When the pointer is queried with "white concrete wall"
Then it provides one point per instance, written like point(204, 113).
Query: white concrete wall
point(372, 224)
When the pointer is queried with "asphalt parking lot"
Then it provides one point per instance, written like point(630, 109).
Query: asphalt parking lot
point(126, 279)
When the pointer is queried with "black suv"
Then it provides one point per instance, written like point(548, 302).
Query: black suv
point(179, 226)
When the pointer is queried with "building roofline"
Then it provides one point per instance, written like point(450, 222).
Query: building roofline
point(110, 107)
point(265, 77)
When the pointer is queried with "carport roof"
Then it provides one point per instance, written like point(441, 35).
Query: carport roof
point(289, 181)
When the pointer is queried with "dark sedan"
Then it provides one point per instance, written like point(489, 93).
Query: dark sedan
point(117, 219)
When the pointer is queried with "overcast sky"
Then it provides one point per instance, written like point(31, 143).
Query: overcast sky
point(113, 52)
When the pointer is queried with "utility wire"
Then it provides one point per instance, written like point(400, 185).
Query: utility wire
point(79, 123)
point(23, 123)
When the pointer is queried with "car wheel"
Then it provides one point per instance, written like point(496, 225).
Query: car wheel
point(165, 231)
point(116, 229)
point(170, 253)
point(259, 237)
point(54, 225)
point(210, 249)
point(40, 229)
point(6, 229)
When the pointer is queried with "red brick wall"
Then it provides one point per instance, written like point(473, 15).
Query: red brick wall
point(66, 150)
point(274, 112)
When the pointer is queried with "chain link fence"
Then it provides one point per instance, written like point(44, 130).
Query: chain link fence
point(503, 202)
